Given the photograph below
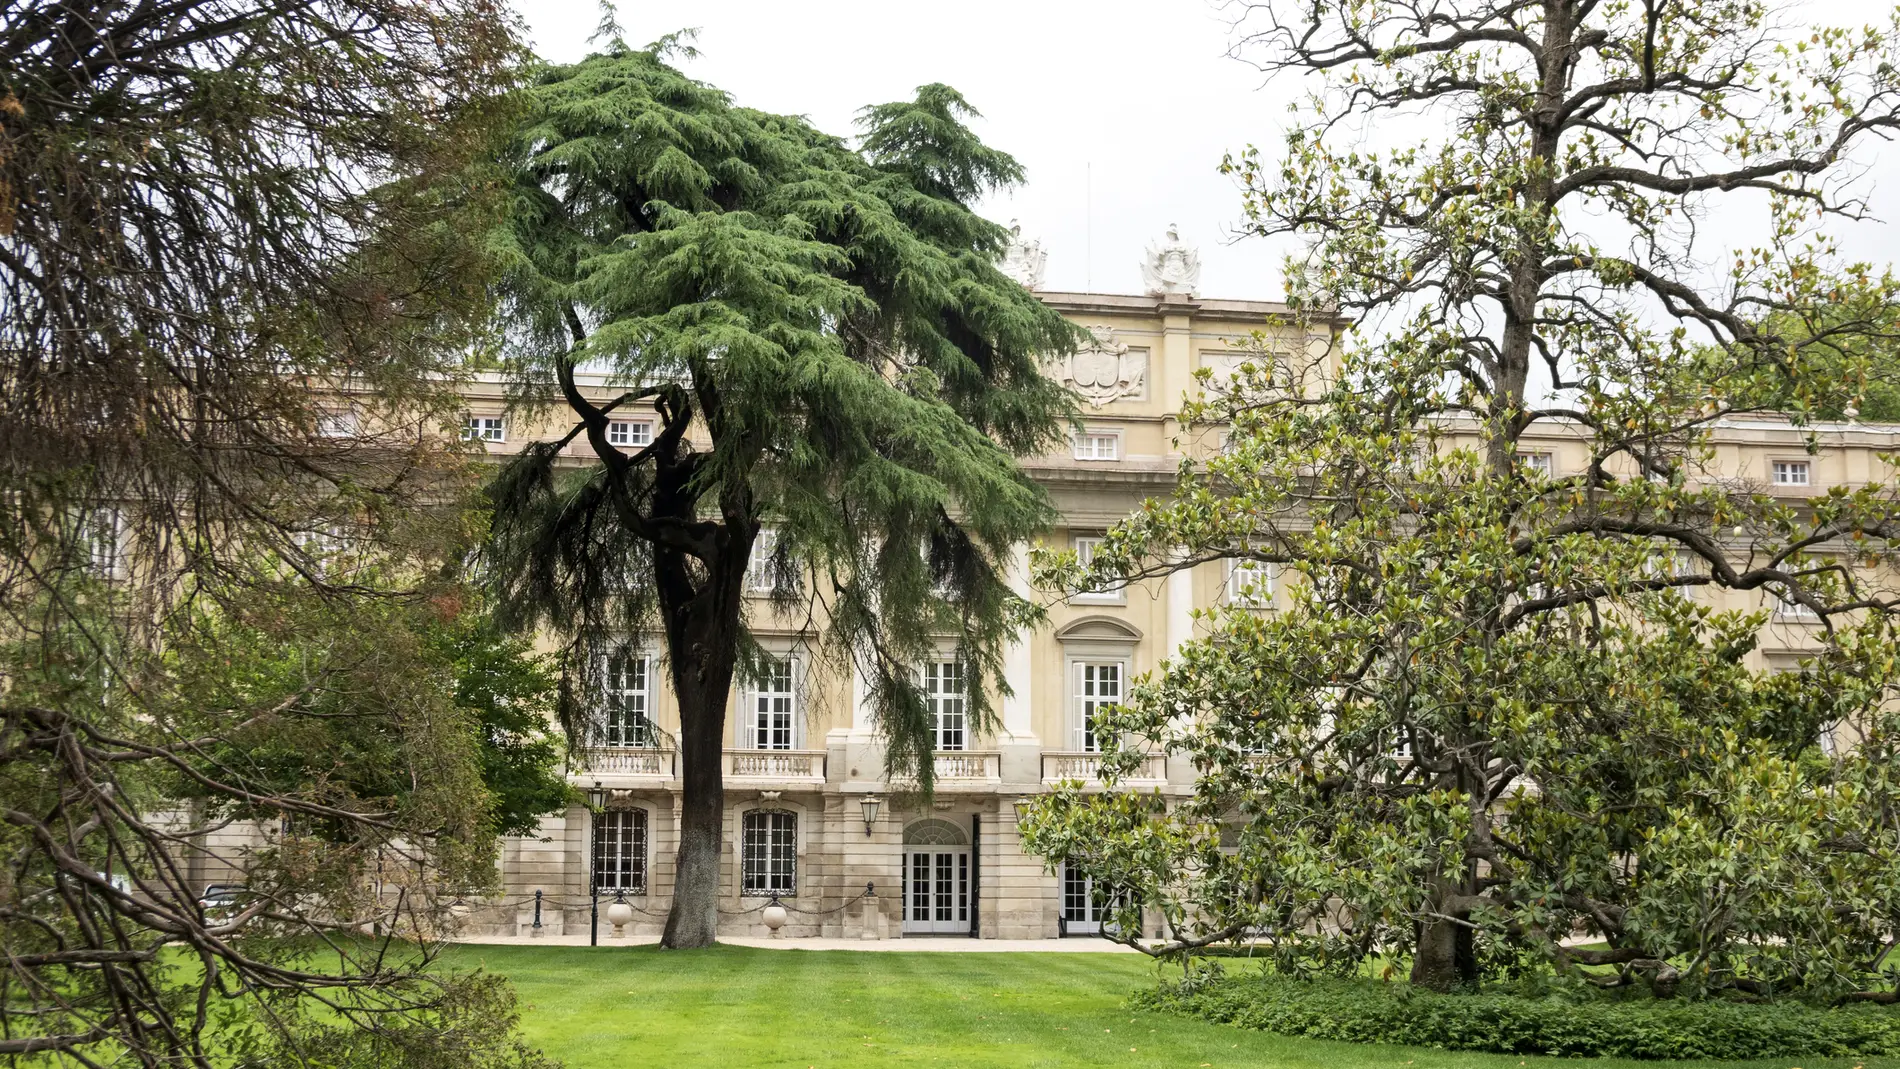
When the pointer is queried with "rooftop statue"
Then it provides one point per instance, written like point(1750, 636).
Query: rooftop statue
point(1171, 266)
point(1023, 260)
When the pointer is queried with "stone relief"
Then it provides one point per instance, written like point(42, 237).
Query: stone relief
point(1171, 266)
point(1106, 370)
point(1023, 260)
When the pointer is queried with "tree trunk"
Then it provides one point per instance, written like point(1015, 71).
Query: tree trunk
point(694, 919)
point(702, 637)
point(1446, 957)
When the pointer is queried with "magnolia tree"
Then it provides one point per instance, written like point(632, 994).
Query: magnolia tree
point(1494, 708)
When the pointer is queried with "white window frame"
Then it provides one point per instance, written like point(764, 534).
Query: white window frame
point(1250, 583)
point(1786, 609)
point(772, 708)
point(1784, 471)
point(945, 683)
point(760, 582)
point(630, 433)
point(620, 842)
point(1094, 682)
point(104, 533)
point(485, 429)
point(768, 852)
point(1537, 460)
point(1097, 445)
point(339, 423)
point(626, 706)
point(1085, 546)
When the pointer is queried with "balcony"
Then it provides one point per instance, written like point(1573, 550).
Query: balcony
point(1059, 765)
point(628, 761)
point(967, 768)
point(796, 767)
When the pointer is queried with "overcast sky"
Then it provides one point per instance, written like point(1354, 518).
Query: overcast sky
point(1120, 111)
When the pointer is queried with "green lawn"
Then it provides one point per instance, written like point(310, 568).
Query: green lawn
point(739, 1008)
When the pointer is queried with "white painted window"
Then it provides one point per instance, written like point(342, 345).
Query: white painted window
point(1791, 472)
point(484, 428)
point(1536, 462)
point(104, 534)
point(627, 708)
point(1085, 547)
point(762, 572)
point(1098, 685)
point(1250, 583)
point(342, 423)
point(620, 851)
point(1790, 609)
point(768, 854)
point(630, 433)
point(949, 706)
point(1098, 445)
point(775, 707)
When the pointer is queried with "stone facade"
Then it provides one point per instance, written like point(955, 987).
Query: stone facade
point(849, 878)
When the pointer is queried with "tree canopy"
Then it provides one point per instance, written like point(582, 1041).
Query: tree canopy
point(235, 288)
point(831, 354)
point(1490, 706)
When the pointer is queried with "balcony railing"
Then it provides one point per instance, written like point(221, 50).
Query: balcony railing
point(968, 766)
point(628, 761)
point(776, 765)
point(1058, 765)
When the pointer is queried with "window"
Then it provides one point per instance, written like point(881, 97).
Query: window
point(1787, 608)
point(339, 424)
point(620, 851)
point(1249, 583)
point(766, 571)
point(1790, 472)
point(322, 546)
point(943, 689)
point(768, 861)
point(1106, 594)
point(630, 432)
point(1098, 685)
point(1098, 445)
point(774, 708)
point(103, 531)
point(1535, 462)
point(483, 428)
point(628, 706)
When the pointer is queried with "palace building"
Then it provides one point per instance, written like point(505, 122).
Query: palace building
point(809, 821)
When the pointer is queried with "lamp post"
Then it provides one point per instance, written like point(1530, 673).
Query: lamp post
point(596, 801)
point(869, 803)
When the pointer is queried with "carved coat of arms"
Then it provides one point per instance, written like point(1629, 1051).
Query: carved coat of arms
point(1105, 370)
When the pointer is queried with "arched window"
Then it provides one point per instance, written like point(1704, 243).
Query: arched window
point(620, 851)
point(768, 858)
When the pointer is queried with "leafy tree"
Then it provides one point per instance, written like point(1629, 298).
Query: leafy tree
point(509, 690)
point(831, 353)
point(234, 283)
point(1488, 712)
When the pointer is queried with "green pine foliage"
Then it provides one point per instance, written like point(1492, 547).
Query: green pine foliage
point(830, 319)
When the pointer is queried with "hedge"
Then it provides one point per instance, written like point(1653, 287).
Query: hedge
point(1370, 1011)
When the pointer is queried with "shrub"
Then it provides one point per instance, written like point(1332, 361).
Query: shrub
point(1370, 1011)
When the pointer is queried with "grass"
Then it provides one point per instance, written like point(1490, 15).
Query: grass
point(741, 1008)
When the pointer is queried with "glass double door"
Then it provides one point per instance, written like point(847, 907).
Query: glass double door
point(937, 890)
point(1082, 911)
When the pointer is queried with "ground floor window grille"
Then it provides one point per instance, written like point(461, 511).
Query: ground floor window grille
point(620, 851)
point(769, 853)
